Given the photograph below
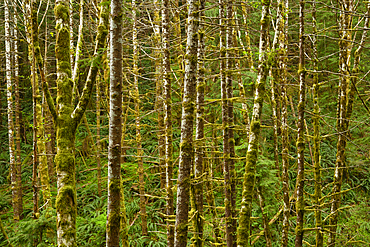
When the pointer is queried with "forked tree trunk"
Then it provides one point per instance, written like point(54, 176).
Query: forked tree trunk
point(67, 118)
point(252, 152)
point(187, 118)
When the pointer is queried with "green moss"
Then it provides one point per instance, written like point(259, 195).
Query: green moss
point(62, 44)
point(255, 126)
point(61, 11)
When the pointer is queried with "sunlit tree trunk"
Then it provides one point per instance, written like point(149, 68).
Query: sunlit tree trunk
point(252, 152)
point(115, 126)
point(9, 95)
point(186, 142)
point(167, 102)
point(300, 205)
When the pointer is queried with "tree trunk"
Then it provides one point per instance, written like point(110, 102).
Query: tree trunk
point(198, 171)
point(300, 205)
point(316, 135)
point(186, 142)
point(19, 205)
point(9, 95)
point(136, 98)
point(115, 126)
point(252, 152)
point(167, 105)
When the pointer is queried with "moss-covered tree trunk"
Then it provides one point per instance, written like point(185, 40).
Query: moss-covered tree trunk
point(316, 135)
point(115, 126)
point(251, 159)
point(67, 118)
point(282, 74)
point(167, 106)
point(300, 206)
point(187, 118)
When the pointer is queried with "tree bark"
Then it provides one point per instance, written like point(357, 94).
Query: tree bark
point(300, 205)
point(186, 142)
point(115, 126)
point(167, 105)
point(10, 110)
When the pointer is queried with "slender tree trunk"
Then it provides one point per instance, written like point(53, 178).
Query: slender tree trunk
point(186, 142)
point(167, 105)
point(283, 41)
point(300, 205)
point(197, 184)
point(75, 77)
point(265, 221)
point(17, 120)
point(136, 95)
point(115, 126)
point(9, 94)
point(230, 115)
point(316, 135)
point(159, 91)
point(98, 144)
point(49, 125)
point(225, 80)
point(252, 152)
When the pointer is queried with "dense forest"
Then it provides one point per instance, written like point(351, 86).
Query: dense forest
point(184, 123)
